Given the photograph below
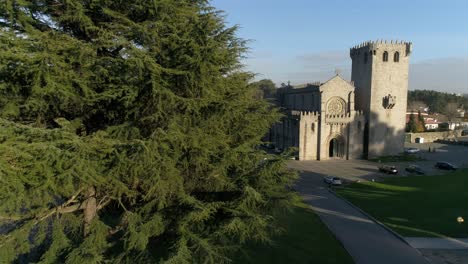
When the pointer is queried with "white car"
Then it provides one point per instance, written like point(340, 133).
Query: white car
point(412, 150)
point(278, 150)
point(332, 180)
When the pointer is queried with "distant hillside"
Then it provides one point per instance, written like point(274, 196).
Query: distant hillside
point(436, 101)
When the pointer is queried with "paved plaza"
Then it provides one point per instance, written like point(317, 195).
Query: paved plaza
point(354, 170)
point(365, 240)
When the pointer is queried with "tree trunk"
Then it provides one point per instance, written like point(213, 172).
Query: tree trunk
point(90, 209)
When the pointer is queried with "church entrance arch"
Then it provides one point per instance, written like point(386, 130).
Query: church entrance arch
point(336, 148)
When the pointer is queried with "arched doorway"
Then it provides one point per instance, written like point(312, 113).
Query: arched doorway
point(335, 148)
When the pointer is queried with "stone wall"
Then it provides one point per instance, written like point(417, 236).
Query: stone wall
point(308, 136)
point(433, 136)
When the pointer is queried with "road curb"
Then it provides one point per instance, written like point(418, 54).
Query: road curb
point(369, 216)
point(378, 222)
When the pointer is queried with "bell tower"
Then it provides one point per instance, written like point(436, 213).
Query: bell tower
point(380, 75)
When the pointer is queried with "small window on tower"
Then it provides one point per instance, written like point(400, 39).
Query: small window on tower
point(366, 57)
point(385, 56)
point(396, 57)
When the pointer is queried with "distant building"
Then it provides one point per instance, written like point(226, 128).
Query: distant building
point(348, 120)
point(430, 121)
point(451, 125)
point(457, 125)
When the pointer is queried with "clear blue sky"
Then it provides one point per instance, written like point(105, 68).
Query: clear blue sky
point(305, 40)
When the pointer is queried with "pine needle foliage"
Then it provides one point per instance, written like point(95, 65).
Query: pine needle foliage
point(129, 134)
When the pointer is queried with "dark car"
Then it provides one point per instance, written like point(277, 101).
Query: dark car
point(445, 166)
point(388, 169)
point(415, 169)
point(268, 145)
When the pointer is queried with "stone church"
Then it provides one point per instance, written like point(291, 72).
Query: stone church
point(364, 118)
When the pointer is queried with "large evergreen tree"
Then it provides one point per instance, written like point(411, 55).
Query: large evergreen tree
point(421, 122)
point(128, 134)
point(266, 88)
point(412, 125)
point(436, 101)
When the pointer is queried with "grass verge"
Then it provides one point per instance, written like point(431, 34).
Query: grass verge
point(425, 206)
point(305, 240)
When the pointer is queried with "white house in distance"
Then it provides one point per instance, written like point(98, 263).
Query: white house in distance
point(435, 121)
point(460, 125)
point(430, 121)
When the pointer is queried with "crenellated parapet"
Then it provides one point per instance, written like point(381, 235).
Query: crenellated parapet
point(304, 113)
point(380, 42)
point(359, 116)
point(311, 116)
point(344, 118)
point(338, 119)
point(372, 46)
point(314, 116)
point(329, 116)
point(358, 113)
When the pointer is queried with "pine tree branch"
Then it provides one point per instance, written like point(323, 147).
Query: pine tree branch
point(67, 208)
point(70, 209)
point(72, 199)
point(61, 209)
point(64, 208)
point(103, 202)
point(119, 227)
point(9, 218)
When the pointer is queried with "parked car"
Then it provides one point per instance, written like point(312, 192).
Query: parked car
point(445, 166)
point(411, 150)
point(415, 169)
point(294, 156)
point(268, 145)
point(388, 169)
point(332, 180)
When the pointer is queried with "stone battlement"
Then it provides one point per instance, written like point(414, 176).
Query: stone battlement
point(305, 113)
point(385, 44)
point(381, 43)
point(338, 116)
point(317, 114)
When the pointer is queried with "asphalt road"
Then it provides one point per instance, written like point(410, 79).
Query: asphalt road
point(366, 241)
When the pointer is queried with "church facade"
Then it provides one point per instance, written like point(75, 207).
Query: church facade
point(363, 118)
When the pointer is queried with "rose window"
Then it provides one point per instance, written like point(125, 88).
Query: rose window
point(336, 106)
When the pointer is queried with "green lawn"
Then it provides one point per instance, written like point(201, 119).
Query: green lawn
point(416, 205)
point(305, 240)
